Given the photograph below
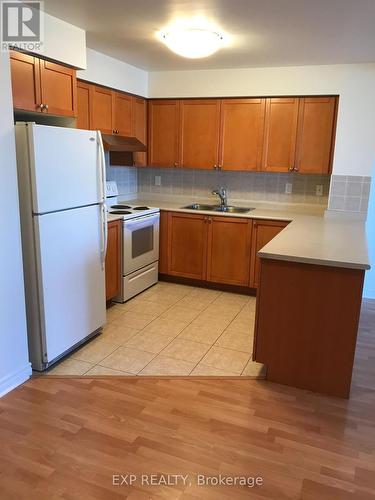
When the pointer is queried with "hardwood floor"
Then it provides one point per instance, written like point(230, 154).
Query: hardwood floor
point(64, 438)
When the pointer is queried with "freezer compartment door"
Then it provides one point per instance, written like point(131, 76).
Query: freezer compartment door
point(71, 277)
point(66, 168)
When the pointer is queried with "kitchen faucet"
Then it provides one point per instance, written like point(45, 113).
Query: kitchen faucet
point(222, 194)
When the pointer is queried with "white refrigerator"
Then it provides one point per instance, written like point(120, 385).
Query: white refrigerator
point(61, 176)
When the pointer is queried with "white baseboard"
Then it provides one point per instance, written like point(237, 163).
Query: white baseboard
point(12, 380)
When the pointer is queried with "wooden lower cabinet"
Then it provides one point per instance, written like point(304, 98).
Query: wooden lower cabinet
point(263, 232)
point(228, 250)
point(306, 324)
point(113, 260)
point(187, 245)
point(163, 246)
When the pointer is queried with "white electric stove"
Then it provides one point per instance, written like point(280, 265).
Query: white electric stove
point(140, 243)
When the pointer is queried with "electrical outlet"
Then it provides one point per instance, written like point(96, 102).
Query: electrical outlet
point(319, 190)
point(157, 180)
point(288, 188)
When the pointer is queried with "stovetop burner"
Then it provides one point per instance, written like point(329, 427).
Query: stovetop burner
point(141, 208)
point(120, 212)
point(121, 206)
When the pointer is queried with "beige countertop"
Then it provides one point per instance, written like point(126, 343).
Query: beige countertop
point(311, 237)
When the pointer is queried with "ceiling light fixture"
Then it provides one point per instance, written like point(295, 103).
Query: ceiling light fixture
point(193, 43)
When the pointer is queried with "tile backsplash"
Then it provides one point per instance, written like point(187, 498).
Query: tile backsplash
point(126, 179)
point(257, 186)
point(349, 193)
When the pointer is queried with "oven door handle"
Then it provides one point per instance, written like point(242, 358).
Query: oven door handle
point(145, 218)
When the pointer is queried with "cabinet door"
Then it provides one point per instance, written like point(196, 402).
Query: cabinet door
point(113, 260)
point(163, 118)
point(83, 105)
point(58, 88)
point(241, 135)
point(102, 110)
point(122, 113)
point(280, 134)
point(25, 81)
point(228, 250)
point(187, 245)
point(199, 133)
point(163, 243)
point(316, 123)
point(140, 128)
point(263, 232)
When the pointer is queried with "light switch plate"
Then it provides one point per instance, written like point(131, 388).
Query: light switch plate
point(319, 190)
point(288, 188)
point(157, 180)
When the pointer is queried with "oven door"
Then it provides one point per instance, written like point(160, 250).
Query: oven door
point(141, 242)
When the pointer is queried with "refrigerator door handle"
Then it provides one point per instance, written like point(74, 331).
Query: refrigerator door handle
point(104, 232)
point(102, 172)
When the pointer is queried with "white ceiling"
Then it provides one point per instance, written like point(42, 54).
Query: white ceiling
point(262, 32)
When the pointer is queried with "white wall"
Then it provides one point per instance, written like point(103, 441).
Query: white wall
point(111, 72)
point(14, 358)
point(369, 289)
point(355, 83)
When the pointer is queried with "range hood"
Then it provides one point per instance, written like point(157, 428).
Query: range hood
point(121, 143)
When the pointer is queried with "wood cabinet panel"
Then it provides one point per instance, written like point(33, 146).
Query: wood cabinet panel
point(241, 134)
point(59, 89)
point(280, 134)
point(140, 128)
point(163, 117)
point(113, 260)
point(187, 245)
point(102, 109)
point(263, 232)
point(122, 114)
point(306, 325)
point(228, 259)
point(83, 105)
point(163, 243)
point(199, 133)
point(25, 81)
point(316, 124)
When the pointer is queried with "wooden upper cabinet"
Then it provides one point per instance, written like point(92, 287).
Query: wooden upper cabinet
point(316, 125)
point(59, 89)
point(263, 232)
point(199, 133)
point(83, 105)
point(280, 134)
point(140, 128)
point(163, 123)
point(122, 113)
point(187, 245)
point(241, 134)
point(25, 81)
point(102, 110)
point(228, 249)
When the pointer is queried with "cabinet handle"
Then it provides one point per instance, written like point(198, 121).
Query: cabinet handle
point(296, 169)
point(175, 164)
point(40, 106)
point(114, 131)
point(216, 167)
point(45, 106)
point(291, 169)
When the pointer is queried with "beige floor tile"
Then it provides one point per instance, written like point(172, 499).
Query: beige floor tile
point(133, 319)
point(147, 307)
point(186, 350)
point(94, 351)
point(150, 341)
point(196, 303)
point(233, 298)
point(164, 365)
point(70, 367)
point(103, 370)
point(205, 370)
point(205, 334)
point(185, 314)
point(211, 320)
point(253, 369)
point(241, 327)
point(237, 341)
point(114, 312)
point(226, 359)
point(118, 335)
point(162, 298)
point(165, 326)
point(127, 359)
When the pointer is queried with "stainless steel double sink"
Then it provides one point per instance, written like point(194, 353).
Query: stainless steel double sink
point(218, 208)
